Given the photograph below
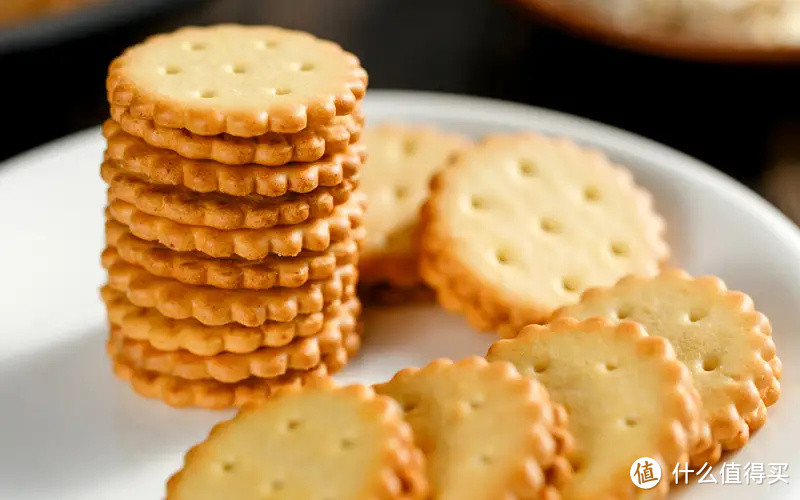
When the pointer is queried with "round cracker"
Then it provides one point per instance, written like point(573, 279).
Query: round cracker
point(163, 166)
point(240, 80)
point(717, 333)
point(168, 334)
point(626, 396)
point(402, 159)
point(521, 224)
point(486, 431)
point(218, 210)
point(215, 306)
point(211, 394)
point(271, 149)
point(251, 244)
point(315, 442)
point(196, 268)
point(267, 362)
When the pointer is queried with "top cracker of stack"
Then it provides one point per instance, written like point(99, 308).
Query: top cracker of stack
point(236, 80)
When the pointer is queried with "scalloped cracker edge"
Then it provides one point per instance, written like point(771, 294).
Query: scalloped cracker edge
point(251, 244)
point(218, 210)
point(195, 268)
point(215, 306)
point(269, 150)
point(168, 79)
point(383, 462)
point(614, 380)
point(402, 158)
point(737, 377)
point(482, 289)
point(162, 166)
point(487, 432)
point(167, 334)
point(268, 362)
point(210, 394)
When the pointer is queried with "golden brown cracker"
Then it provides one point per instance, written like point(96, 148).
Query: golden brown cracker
point(215, 306)
point(268, 362)
point(211, 394)
point(717, 333)
point(626, 394)
point(196, 268)
point(522, 223)
point(240, 80)
point(218, 210)
point(167, 334)
point(270, 150)
point(486, 431)
point(250, 244)
point(402, 158)
point(163, 166)
point(320, 441)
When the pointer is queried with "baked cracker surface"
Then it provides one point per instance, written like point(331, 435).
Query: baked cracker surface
point(316, 442)
point(521, 224)
point(240, 80)
point(626, 396)
point(487, 432)
point(717, 333)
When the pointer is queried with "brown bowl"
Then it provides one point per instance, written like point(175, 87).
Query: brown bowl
point(584, 23)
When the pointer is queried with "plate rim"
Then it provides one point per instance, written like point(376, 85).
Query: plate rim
point(686, 47)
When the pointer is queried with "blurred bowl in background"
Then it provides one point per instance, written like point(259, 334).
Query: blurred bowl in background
point(53, 65)
point(28, 24)
point(744, 31)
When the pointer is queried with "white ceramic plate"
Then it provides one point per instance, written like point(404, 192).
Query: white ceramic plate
point(70, 430)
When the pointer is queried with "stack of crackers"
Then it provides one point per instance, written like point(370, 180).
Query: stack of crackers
point(234, 219)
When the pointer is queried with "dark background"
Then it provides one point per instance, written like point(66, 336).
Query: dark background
point(739, 118)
